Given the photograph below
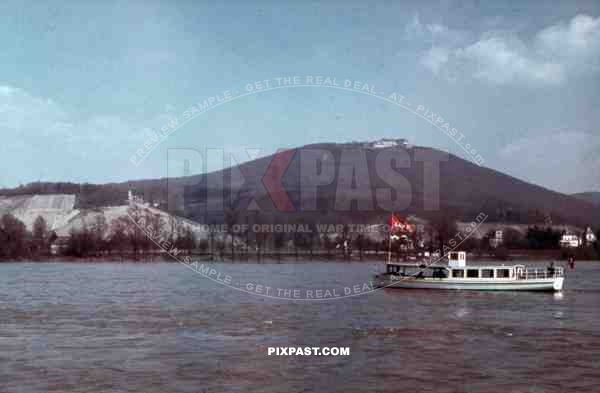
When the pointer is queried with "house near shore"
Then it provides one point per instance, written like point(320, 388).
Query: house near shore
point(570, 240)
point(590, 236)
point(59, 245)
point(497, 239)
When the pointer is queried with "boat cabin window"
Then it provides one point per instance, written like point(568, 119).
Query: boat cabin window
point(503, 273)
point(458, 273)
point(473, 273)
point(487, 273)
point(439, 273)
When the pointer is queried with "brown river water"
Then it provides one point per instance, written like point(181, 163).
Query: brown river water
point(124, 327)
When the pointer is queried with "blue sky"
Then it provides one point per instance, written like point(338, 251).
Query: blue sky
point(84, 84)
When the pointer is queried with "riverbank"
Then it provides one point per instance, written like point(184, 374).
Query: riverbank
point(299, 257)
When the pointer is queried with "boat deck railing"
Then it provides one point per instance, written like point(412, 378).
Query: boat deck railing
point(540, 273)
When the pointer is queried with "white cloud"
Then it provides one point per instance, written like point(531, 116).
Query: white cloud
point(435, 59)
point(20, 111)
point(502, 61)
point(44, 140)
point(430, 31)
point(550, 57)
point(581, 36)
point(38, 126)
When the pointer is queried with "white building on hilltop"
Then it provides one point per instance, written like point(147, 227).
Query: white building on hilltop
point(388, 142)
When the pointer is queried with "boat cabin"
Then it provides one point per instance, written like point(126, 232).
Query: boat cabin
point(516, 272)
point(457, 259)
point(458, 275)
point(432, 271)
point(483, 272)
point(457, 269)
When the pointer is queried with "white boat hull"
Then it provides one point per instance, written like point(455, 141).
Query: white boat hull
point(547, 284)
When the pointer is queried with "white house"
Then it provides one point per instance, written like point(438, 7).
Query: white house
point(497, 239)
point(59, 245)
point(132, 197)
point(590, 236)
point(570, 240)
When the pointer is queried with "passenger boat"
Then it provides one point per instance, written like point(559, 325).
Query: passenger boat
point(457, 275)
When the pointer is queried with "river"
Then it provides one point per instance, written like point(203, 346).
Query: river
point(159, 327)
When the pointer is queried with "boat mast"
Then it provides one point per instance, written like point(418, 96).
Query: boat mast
point(389, 255)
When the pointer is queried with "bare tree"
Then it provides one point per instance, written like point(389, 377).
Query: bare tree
point(211, 239)
point(135, 236)
point(203, 246)
point(41, 237)
point(185, 239)
point(328, 244)
point(118, 235)
point(261, 237)
point(278, 241)
point(361, 244)
point(13, 237)
point(298, 238)
point(98, 232)
point(345, 241)
point(443, 225)
point(231, 219)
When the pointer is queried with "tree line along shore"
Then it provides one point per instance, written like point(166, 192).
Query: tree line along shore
point(123, 239)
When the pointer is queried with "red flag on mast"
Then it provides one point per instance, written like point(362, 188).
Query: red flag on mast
point(398, 224)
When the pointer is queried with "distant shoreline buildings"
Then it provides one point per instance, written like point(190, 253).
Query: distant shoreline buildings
point(572, 240)
point(133, 198)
